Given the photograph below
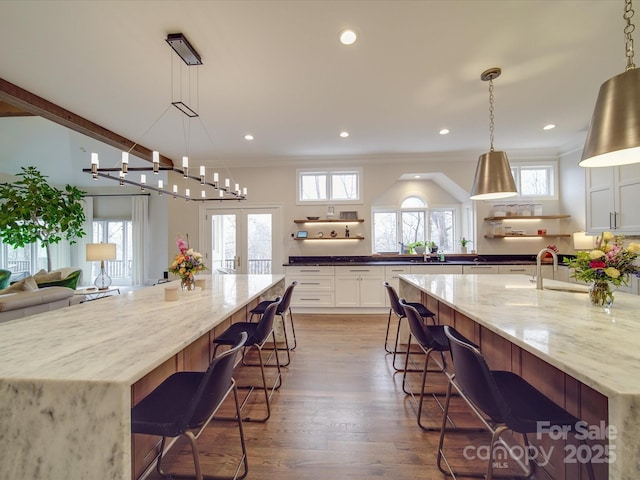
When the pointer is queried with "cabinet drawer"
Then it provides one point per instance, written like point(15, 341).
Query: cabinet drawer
point(436, 268)
point(360, 271)
point(517, 269)
point(311, 283)
point(480, 269)
point(393, 272)
point(308, 270)
point(312, 299)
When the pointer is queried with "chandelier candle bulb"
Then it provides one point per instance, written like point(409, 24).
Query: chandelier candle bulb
point(125, 162)
point(227, 183)
point(95, 164)
point(156, 161)
point(203, 194)
point(244, 191)
point(221, 193)
point(121, 175)
point(187, 192)
point(160, 185)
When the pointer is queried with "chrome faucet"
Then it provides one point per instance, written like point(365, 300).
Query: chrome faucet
point(539, 265)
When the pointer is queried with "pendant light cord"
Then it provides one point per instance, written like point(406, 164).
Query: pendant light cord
point(491, 114)
point(628, 30)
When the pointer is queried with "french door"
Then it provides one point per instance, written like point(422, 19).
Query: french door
point(242, 240)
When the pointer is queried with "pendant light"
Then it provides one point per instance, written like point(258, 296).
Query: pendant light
point(493, 178)
point(614, 132)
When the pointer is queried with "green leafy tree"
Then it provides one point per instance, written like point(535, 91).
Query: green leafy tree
point(34, 211)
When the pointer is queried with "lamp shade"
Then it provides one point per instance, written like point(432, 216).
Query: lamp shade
point(614, 133)
point(493, 177)
point(582, 241)
point(100, 251)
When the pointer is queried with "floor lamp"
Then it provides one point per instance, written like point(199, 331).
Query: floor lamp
point(101, 252)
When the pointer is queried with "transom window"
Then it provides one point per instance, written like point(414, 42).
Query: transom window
point(323, 186)
point(535, 180)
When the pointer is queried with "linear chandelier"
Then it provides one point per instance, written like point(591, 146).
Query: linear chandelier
point(221, 191)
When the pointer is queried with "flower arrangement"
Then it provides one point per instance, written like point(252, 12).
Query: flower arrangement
point(609, 263)
point(464, 242)
point(186, 264)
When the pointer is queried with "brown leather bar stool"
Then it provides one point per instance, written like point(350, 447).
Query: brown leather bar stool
point(398, 311)
point(502, 401)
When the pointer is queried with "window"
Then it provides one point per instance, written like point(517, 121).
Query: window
point(414, 221)
point(30, 258)
point(118, 232)
point(535, 180)
point(343, 186)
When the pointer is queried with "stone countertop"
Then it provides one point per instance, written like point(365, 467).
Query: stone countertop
point(390, 260)
point(120, 338)
point(598, 347)
point(66, 375)
point(595, 346)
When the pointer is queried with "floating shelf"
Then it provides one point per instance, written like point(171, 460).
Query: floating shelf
point(331, 238)
point(332, 220)
point(528, 217)
point(529, 236)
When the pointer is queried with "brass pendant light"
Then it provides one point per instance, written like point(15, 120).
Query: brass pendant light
point(493, 178)
point(614, 132)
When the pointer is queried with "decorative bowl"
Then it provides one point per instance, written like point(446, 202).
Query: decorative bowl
point(313, 218)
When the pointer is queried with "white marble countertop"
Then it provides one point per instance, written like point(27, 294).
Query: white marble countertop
point(120, 338)
point(600, 348)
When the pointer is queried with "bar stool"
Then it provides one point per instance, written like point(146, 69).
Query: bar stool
point(283, 310)
point(259, 333)
point(397, 310)
point(189, 400)
point(501, 400)
point(430, 339)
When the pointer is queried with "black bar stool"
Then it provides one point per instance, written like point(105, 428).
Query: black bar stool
point(501, 400)
point(398, 311)
point(189, 400)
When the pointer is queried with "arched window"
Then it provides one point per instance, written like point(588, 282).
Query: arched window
point(413, 222)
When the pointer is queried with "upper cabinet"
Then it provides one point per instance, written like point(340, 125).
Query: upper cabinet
point(612, 199)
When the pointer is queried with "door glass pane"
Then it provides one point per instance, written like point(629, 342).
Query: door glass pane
point(18, 259)
point(223, 241)
point(441, 229)
point(385, 232)
point(259, 243)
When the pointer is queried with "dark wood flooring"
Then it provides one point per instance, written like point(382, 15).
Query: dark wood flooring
point(340, 414)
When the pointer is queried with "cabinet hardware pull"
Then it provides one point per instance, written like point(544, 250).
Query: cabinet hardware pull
point(309, 270)
point(309, 299)
point(309, 283)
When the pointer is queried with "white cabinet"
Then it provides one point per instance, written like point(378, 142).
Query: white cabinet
point(528, 269)
point(392, 275)
point(359, 286)
point(315, 286)
point(481, 269)
point(612, 197)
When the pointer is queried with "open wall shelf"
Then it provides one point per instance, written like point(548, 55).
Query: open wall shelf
point(332, 220)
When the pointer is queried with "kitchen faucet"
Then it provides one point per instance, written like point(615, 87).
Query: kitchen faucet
point(539, 265)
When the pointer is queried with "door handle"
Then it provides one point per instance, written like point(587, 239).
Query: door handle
point(237, 261)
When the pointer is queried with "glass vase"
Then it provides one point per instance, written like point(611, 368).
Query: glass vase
point(601, 294)
point(188, 284)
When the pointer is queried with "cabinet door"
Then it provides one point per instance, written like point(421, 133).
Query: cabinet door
point(627, 194)
point(347, 291)
point(600, 199)
point(516, 269)
point(372, 292)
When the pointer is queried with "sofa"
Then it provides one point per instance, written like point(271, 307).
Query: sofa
point(26, 297)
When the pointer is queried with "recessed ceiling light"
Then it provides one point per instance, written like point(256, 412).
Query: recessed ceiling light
point(248, 136)
point(551, 126)
point(344, 134)
point(348, 37)
point(444, 131)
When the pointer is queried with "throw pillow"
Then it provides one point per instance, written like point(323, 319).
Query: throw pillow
point(47, 277)
point(26, 284)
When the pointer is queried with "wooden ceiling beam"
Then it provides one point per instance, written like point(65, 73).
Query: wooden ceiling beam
point(36, 105)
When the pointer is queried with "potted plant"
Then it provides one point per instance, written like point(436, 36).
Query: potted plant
point(463, 245)
point(34, 211)
point(433, 246)
point(417, 247)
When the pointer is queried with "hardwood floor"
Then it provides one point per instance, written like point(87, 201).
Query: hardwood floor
point(340, 414)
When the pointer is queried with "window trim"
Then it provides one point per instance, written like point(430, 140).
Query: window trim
point(328, 172)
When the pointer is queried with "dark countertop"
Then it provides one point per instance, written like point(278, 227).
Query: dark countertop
point(387, 260)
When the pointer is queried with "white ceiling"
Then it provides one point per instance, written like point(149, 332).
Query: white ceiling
point(275, 69)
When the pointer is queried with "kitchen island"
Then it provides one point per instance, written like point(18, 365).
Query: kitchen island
point(584, 357)
point(68, 378)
